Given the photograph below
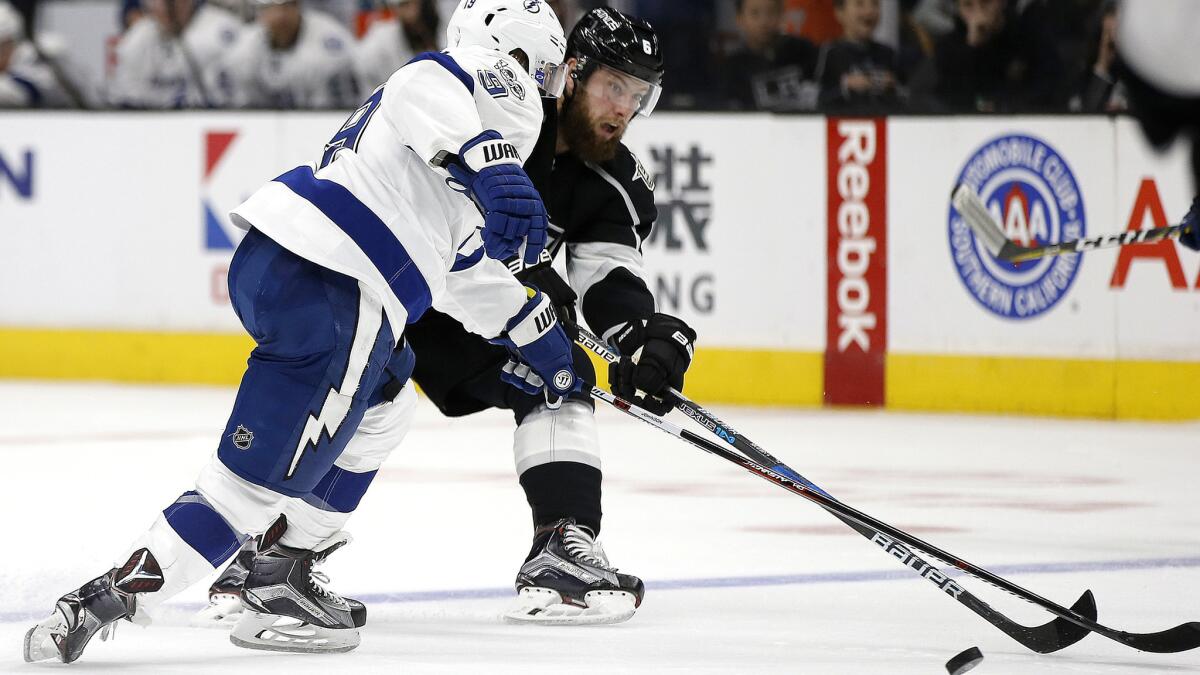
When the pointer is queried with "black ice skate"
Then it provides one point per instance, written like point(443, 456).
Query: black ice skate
point(567, 580)
point(93, 608)
point(286, 609)
point(225, 594)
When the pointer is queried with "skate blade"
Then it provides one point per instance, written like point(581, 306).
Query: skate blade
point(222, 612)
point(275, 633)
point(544, 607)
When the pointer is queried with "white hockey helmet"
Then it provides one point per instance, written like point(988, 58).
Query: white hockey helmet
point(508, 26)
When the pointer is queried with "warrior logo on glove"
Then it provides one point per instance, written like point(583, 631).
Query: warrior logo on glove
point(563, 379)
point(494, 152)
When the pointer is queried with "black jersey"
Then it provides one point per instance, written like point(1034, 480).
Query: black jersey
point(600, 214)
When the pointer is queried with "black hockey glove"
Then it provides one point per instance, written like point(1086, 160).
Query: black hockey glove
point(658, 354)
point(545, 279)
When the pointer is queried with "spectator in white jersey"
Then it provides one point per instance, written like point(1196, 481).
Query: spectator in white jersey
point(390, 43)
point(27, 77)
point(171, 58)
point(16, 89)
point(292, 57)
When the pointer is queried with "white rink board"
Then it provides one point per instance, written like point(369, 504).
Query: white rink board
point(764, 249)
point(931, 310)
point(113, 234)
point(113, 237)
point(124, 208)
point(1154, 319)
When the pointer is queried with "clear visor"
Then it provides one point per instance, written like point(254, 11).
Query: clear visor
point(624, 91)
point(551, 78)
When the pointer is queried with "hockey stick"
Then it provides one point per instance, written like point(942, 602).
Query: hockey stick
point(189, 59)
point(1046, 638)
point(1043, 639)
point(976, 215)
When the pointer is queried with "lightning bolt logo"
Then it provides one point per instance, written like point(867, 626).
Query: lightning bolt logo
point(333, 413)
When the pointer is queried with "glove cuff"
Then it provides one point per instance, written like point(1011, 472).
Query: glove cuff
point(659, 326)
point(672, 329)
point(487, 149)
point(629, 336)
point(536, 318)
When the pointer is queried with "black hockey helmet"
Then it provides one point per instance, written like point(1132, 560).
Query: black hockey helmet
point(606, 37)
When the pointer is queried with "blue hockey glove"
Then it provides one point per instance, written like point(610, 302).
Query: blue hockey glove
point(538, 340)
point(521, 376)
point(1190, 237)
point(513, 212)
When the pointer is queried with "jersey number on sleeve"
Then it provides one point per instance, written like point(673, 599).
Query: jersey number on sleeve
point(351, 131)
point(492, 83)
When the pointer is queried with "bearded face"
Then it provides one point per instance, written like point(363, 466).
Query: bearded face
point(595, 118)
point(582, 131)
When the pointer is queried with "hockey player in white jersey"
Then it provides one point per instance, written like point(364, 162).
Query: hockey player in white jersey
point(338, 257)
point(601, 204)
point(390, 43)
point(28, 77)
point(171, 58)
point(292, 57)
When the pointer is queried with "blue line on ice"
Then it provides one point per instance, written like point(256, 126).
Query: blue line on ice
point(745, 582)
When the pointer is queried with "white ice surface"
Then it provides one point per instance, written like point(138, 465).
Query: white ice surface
point(742, 577)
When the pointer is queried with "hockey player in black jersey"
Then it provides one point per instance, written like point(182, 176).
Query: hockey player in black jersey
point(601, 206)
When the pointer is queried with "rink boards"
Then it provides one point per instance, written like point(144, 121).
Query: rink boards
point(819, 259)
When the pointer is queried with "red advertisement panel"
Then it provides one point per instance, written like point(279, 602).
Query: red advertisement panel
point(856, 261)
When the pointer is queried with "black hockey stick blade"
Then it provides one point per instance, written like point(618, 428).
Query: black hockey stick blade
point(1046, 638)
point(1181, 638)
point(1059, 633)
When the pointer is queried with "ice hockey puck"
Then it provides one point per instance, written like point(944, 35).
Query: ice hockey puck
point(966, 660)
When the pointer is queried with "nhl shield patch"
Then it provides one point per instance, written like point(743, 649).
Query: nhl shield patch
point(242, 438)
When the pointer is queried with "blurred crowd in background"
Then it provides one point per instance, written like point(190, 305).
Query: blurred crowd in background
point(835, 56)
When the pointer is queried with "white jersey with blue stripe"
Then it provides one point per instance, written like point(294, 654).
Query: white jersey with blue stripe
point(375, 209)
